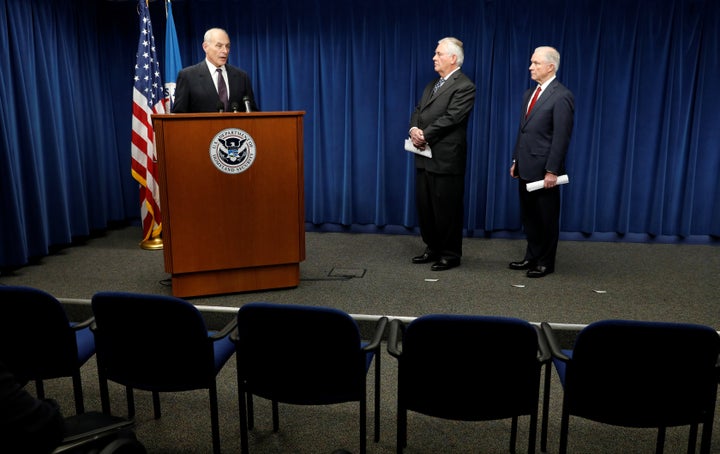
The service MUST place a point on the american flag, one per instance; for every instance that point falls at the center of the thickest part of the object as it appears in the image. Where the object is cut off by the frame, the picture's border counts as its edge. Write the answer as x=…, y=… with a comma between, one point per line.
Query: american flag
x=147, y=100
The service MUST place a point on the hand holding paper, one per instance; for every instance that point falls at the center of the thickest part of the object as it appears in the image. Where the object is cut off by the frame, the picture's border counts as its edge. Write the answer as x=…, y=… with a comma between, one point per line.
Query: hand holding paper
x=413, y=149
x=535, y=185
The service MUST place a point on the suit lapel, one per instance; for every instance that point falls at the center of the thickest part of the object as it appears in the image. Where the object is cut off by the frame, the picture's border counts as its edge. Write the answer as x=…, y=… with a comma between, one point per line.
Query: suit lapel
x=446, y=86
x=206, y=80
x=541, y=100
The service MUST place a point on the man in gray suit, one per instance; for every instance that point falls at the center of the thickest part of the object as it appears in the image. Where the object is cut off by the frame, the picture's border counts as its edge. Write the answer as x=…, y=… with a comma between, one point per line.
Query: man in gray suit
x=440, y=122
x=198, y=88
x=546, y=124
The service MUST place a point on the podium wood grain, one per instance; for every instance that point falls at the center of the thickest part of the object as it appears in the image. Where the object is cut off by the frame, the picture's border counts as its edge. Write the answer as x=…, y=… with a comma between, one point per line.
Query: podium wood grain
x=228, y=233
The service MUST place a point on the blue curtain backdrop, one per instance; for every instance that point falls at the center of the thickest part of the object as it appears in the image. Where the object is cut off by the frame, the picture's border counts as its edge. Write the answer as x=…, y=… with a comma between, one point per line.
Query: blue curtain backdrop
x=643, y=162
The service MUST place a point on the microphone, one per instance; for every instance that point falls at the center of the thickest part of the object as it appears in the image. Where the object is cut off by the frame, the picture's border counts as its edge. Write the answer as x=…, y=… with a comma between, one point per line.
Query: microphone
x=234, y=106
x=246, y=100
x=220, y=107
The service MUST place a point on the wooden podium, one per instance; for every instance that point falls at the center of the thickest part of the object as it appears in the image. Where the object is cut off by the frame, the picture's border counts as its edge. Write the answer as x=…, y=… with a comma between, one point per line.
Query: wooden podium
x=232, y=200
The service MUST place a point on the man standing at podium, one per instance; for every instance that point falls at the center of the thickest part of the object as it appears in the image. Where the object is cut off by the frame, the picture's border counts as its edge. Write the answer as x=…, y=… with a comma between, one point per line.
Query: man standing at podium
x=213, y=85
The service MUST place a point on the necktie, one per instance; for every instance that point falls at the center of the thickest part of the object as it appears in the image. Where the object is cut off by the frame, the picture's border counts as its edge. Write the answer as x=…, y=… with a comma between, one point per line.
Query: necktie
x=222, y=89
x=532, y=103
x=438, y=84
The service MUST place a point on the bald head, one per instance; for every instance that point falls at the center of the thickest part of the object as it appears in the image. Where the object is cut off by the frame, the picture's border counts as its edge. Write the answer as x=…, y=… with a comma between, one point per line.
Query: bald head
x=216, y=44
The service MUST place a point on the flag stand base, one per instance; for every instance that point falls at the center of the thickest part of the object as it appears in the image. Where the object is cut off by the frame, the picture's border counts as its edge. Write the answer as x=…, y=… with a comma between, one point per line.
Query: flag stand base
x=152, y=244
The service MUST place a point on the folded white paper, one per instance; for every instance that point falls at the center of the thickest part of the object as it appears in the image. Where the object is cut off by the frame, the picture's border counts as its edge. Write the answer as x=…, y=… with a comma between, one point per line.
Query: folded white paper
x=535, y=185
x=413, y=149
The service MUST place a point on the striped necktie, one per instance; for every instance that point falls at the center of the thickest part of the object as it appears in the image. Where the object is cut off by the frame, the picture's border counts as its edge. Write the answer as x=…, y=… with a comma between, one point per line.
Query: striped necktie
x=222, y=89
x=438, y=84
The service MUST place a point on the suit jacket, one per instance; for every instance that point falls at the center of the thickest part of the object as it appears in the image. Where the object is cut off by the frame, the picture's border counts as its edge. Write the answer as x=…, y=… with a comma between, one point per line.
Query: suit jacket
x=195, y=89
x=544, y=136
x=443, y=117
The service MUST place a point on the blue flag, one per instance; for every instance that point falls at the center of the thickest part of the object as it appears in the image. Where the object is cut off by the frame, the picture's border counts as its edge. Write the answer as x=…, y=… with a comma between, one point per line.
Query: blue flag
x=172, y=58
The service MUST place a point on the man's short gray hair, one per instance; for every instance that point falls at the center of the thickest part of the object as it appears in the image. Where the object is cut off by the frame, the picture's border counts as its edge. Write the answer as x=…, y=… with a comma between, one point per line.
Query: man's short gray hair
x=455, y=47
x=551, y=55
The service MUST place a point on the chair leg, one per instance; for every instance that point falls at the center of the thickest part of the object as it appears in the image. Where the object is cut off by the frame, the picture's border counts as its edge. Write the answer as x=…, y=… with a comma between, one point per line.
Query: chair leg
x=532, y=433
x=706, y=437
x=564, y=424
x=78, y=392
x=214, y=418
x=401, y=441
x=242, y=399
x=250, y=411
x=363, y=425
x=545, y=409
x=156, y=404
x=692, y=438
x=513, y=434
x=104, y=394
x=275, y=416
x=660, y=446
x=40, y=389
x=130, y=397
x=377, y=398
x=245, y=409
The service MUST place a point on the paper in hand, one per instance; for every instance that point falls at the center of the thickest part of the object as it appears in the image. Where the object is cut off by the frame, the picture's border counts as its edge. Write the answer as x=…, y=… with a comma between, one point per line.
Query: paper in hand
x=535, y=185
x=413, y=149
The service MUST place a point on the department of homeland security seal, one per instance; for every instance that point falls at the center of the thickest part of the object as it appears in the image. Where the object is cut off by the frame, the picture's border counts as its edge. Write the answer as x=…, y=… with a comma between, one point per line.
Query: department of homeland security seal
x=232, y=150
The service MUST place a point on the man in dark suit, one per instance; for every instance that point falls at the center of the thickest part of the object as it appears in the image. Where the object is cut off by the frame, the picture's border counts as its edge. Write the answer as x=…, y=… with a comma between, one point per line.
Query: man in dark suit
x=440, y=122
x=546, y=124
x=198, y=88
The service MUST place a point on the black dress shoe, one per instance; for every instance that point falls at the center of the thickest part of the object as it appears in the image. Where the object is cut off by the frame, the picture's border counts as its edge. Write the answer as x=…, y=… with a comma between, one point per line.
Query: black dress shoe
x=539, y=271
x=427, y=257
x=524, y=265
x=445, y=263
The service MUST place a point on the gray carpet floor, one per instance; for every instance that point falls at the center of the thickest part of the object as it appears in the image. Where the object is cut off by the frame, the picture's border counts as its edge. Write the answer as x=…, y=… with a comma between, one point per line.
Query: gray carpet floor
x=369, y=275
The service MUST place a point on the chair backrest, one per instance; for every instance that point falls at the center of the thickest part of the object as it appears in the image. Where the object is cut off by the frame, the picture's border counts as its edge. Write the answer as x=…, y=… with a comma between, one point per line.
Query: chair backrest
x=300, y=354
x=469, y=367
x=36, y=341
x=145, y=341
x=643, y=374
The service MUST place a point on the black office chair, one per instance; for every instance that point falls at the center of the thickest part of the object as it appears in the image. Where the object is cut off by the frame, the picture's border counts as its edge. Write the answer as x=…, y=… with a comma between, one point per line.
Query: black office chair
x=303, y=355
x=157, y=343
x=38, y=342
x=640, y=374
x=468, y=368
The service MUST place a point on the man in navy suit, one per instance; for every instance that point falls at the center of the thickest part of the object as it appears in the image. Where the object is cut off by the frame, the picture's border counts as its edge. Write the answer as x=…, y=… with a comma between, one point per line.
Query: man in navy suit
x=546, y=124
x=440, y=122
x=198, y=87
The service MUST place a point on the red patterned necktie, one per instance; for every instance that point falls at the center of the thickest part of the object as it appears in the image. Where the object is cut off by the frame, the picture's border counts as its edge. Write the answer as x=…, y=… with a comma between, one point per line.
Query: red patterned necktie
x=532, y=103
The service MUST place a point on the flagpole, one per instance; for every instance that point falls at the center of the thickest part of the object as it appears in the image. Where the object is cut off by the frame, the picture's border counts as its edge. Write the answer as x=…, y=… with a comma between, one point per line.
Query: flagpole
x=152, y=244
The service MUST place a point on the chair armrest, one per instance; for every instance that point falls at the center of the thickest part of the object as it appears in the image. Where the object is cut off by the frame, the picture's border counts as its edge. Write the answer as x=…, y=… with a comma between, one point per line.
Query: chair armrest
x=544, y=352
x=397, y=327
x=378, y=336
x=553, y=342
x=229, y=328
x=84, y=324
